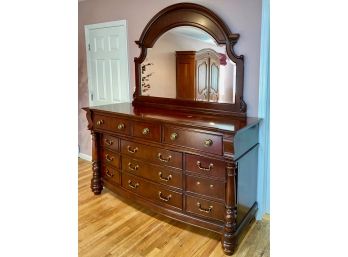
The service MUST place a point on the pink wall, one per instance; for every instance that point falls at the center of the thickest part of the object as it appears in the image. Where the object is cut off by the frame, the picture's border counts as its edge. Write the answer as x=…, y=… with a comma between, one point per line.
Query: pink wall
x=242, y=16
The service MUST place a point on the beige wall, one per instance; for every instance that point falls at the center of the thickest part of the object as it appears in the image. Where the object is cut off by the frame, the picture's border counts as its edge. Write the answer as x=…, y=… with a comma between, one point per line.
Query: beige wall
x=242, y=16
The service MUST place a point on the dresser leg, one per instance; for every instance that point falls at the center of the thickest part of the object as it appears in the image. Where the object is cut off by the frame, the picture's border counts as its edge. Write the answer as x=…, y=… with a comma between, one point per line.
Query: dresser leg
x=229, y=240
x=96, y=183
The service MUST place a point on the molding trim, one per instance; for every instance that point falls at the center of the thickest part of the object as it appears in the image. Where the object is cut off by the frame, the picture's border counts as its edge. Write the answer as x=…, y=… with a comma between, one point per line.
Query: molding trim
x=85, y=157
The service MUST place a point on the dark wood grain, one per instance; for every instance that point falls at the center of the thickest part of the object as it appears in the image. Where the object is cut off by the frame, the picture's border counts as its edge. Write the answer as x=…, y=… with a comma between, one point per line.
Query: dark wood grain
x=151, y=191
x=155, y=155
x=160, y=174
x=110, y=142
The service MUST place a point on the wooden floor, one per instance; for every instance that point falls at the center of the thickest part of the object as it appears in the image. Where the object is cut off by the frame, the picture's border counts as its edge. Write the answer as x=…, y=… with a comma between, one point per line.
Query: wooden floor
x=111, y=226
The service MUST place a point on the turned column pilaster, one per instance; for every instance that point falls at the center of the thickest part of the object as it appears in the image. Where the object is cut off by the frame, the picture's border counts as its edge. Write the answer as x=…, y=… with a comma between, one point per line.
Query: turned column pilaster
x=228, y=239
x=96, y=183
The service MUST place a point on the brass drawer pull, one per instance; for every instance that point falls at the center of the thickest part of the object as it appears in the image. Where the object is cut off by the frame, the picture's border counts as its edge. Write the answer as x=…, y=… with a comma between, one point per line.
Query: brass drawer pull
x=108, y=158
x=120, y=126
x=163, y=198
x=100, y=122
x=146, y=131
x=164, y=179
x=203, y=209
x=162, y=159
x=131, y=185
x=208, y=142
x=109, y=174
x=174, y=136
x=108, y=141
x=203, y=168
x=129, y=149
x=131, y=167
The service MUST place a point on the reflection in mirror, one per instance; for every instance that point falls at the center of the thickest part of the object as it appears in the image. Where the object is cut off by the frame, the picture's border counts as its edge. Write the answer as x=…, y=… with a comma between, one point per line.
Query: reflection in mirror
x=186, y=63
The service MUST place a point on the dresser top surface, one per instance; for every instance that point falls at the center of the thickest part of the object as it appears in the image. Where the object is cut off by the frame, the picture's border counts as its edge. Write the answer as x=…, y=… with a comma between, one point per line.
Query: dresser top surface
x=223, y=123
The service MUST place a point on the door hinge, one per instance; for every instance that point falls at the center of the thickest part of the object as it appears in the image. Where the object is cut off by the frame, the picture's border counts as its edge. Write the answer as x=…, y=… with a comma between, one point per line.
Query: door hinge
x=91, y=96
x=89, y=47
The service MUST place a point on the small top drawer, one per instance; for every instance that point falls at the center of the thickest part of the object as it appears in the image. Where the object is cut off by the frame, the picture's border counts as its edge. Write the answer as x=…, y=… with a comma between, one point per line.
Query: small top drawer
x=114, y=124
x=202, y=141
x=205, y=166
x=110, y=142
x=147, y=130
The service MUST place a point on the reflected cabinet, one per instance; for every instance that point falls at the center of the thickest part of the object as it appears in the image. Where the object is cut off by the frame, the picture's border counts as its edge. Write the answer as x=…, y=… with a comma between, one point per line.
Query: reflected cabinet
x=197, y=75
x=184, y=147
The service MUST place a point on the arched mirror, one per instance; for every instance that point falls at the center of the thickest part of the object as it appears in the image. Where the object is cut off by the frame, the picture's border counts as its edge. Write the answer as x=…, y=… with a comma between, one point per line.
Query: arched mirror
x=187, y=62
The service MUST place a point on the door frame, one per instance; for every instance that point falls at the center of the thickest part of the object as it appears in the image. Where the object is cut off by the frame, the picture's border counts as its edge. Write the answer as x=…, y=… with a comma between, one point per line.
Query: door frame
x=88, y=57
x=263, y=188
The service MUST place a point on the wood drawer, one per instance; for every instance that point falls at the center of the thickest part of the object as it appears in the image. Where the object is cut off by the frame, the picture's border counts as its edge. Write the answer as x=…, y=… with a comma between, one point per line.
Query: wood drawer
x=205, y=166
x=147, y=130
x=110, y=142
x=111, y=158
x=114, y=124
x=151, y=191
x=205, y=208
x=160, y=174
x=206, y=142
x=152, y=154
x=111, y=174
x=208, y=187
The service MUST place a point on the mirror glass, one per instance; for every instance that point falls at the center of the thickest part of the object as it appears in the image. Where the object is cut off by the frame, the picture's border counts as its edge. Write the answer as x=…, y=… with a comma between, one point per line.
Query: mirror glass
x=186, y=63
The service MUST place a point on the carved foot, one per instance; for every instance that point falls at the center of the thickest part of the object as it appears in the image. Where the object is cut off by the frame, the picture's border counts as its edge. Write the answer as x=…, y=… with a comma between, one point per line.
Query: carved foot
x=96, y=183
x=229, y=244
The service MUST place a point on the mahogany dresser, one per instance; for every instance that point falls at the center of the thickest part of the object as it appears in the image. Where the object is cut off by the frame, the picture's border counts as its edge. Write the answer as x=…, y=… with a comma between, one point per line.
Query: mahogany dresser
x=193, y=161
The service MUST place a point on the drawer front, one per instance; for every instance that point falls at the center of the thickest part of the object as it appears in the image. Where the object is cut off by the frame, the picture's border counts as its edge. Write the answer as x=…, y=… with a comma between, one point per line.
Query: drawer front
x=151, y=191
x=208, y=187
x=152, y=154
x=110, y=142
x=111, y=174
x=147, y=131
x=160, y=174
x=189, y=138
x=111, y=158
x=102, y=122
x=205, y=208
x=205, y=166
x=114, y=124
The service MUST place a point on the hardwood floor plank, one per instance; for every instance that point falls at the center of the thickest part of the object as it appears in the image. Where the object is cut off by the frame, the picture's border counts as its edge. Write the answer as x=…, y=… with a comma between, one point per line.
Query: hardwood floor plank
x=113, y=227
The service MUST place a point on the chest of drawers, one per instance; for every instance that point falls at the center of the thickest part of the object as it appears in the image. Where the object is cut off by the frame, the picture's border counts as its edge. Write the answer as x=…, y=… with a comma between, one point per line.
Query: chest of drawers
x=198, y=170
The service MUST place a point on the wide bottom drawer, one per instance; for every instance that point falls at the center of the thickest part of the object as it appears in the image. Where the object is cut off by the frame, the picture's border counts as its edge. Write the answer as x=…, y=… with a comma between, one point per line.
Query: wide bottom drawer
x=151, y=191
x=205, y=208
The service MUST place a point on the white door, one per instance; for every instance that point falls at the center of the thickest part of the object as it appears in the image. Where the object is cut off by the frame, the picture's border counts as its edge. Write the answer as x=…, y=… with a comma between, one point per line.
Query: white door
x=107, y=63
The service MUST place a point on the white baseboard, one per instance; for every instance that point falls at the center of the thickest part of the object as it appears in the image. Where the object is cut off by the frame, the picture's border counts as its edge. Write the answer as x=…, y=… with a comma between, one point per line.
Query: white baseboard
x=85, y=157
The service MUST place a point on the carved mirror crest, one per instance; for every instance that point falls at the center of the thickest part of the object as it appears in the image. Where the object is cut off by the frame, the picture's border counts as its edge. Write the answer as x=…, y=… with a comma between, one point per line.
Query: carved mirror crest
x=187, y=62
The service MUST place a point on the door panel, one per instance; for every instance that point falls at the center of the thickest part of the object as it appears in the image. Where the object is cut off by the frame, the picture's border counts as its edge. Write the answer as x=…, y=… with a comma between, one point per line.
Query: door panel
x=108, y=79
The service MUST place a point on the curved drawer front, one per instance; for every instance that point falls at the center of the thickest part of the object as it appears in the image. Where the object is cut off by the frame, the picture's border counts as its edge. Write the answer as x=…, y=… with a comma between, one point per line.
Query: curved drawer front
x=206, y=142
x=110, y=142
x=205, y=166
x=110, y=174
x=160, y=174
x=111, y=158
x=114, y=124
x=149, y=131
x=208, y=187
x=205, y=208
x=151, y=191
x=152, y=154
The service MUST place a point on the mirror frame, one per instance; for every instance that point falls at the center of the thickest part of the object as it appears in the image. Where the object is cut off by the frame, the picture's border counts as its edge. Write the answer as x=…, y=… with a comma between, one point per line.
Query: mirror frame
x=189, y=14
